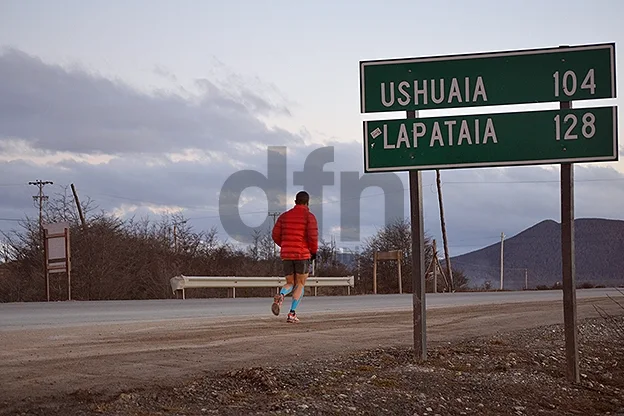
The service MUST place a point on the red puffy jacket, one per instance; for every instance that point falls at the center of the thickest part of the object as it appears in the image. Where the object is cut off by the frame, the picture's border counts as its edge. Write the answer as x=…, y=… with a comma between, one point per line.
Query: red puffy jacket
x=296, y=232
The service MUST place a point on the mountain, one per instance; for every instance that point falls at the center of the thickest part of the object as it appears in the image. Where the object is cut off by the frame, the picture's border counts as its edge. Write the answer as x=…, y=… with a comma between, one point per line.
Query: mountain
x=599, y=251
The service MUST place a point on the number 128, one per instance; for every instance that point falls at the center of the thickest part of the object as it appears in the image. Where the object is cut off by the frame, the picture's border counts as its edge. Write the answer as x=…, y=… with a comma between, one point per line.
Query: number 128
x=588, y=128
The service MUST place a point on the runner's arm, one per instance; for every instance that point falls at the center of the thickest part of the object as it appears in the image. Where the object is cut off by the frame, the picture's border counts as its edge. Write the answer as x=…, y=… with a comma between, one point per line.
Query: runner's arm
x=277, y=232
x=312, y=234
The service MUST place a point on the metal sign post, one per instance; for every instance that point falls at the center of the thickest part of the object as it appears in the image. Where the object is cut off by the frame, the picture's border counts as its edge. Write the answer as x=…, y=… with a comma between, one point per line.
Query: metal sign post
x=418, y=261
x=568, y=267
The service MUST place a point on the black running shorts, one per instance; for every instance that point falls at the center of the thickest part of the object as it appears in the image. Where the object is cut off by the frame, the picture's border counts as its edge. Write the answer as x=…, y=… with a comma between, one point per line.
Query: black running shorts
x=296, y=266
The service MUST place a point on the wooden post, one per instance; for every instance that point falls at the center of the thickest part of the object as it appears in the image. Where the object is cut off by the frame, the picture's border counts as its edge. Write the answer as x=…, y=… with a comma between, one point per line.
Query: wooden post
x=388, y=255
x=375, y=272
x=57, y=264
x=501, y=260
x=399, y=259
x=45, y=261
x=435, y=279
x=67, y=263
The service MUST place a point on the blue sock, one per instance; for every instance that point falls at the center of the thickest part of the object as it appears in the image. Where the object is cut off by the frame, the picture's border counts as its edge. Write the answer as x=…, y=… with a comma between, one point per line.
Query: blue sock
x=284, y=291
x=295, y=302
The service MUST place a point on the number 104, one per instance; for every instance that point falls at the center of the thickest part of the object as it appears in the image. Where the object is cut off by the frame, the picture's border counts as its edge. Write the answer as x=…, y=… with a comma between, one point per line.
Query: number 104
x=569, y=83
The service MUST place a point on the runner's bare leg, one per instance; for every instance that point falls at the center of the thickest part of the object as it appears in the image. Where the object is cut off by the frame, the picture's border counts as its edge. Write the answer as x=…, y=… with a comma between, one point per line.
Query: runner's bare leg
x=300, y=280
x=290, y=282
x=285, y=290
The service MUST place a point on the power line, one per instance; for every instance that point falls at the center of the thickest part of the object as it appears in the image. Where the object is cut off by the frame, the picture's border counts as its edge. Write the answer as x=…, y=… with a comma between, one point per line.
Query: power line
x=139, y=200
x=274, y=214
x=533, y=181
x=481, y=266
x=337, y=200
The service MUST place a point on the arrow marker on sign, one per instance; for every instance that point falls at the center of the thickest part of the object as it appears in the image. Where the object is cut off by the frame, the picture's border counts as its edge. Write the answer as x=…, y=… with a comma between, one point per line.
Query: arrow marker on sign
x=375, y=133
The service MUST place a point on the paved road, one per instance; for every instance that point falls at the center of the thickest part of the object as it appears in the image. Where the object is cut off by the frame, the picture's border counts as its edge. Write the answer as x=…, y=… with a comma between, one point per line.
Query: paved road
x=20, y=316
x=59, y=351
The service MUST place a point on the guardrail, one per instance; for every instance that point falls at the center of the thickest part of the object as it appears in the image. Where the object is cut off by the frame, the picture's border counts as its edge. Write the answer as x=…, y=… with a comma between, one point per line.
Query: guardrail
x=183, y=282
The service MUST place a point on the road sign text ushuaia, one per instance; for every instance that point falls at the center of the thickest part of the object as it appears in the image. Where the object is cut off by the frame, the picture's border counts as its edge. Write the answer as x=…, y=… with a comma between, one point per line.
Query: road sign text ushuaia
x=498, y=78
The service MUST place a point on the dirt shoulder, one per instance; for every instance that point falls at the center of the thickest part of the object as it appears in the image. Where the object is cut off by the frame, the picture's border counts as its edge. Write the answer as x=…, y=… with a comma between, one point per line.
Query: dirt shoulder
x=90, y=368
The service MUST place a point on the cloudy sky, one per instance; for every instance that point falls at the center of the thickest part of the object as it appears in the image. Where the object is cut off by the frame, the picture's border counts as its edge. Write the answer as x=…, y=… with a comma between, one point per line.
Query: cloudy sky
x=153, y=107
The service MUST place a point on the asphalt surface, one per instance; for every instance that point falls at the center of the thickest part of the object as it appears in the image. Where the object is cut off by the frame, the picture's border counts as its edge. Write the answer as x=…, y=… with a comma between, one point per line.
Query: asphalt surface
x=34, y=315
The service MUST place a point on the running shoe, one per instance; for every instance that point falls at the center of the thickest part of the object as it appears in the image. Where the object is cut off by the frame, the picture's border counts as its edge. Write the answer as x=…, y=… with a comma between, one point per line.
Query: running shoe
x=277, y=304
x=292, y=318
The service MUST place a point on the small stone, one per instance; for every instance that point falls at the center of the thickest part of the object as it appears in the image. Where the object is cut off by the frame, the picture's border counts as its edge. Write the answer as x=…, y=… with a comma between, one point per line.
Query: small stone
x=429, y=409
x=303, y=406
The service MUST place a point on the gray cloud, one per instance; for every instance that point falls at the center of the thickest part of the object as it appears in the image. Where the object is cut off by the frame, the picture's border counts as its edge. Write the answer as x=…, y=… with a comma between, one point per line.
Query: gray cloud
x=57, y=109
x=479, y=204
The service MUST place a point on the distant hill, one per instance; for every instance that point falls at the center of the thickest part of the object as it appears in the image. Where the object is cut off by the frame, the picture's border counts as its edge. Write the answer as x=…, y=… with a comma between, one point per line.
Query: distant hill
x=599, y=250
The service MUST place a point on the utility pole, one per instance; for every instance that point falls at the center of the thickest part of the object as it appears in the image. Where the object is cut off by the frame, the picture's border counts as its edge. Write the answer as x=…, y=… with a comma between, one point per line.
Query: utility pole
x=175, y=234
x=526, y=279
x=274, y=214
x=443, y=225
x=41, y=197
x=435, y=268
x=501, y=261
x=82, y=219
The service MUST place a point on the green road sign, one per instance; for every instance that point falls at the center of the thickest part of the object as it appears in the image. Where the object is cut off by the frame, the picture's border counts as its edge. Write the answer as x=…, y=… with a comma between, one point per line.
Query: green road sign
x=498, y=78
x=486, y=140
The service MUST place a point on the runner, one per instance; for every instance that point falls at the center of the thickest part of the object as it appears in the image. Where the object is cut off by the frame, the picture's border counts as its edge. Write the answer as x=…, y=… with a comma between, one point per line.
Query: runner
x=296, y=233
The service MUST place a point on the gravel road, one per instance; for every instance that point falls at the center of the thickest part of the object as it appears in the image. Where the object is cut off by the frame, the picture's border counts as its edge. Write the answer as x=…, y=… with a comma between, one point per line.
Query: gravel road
x=45, y=369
